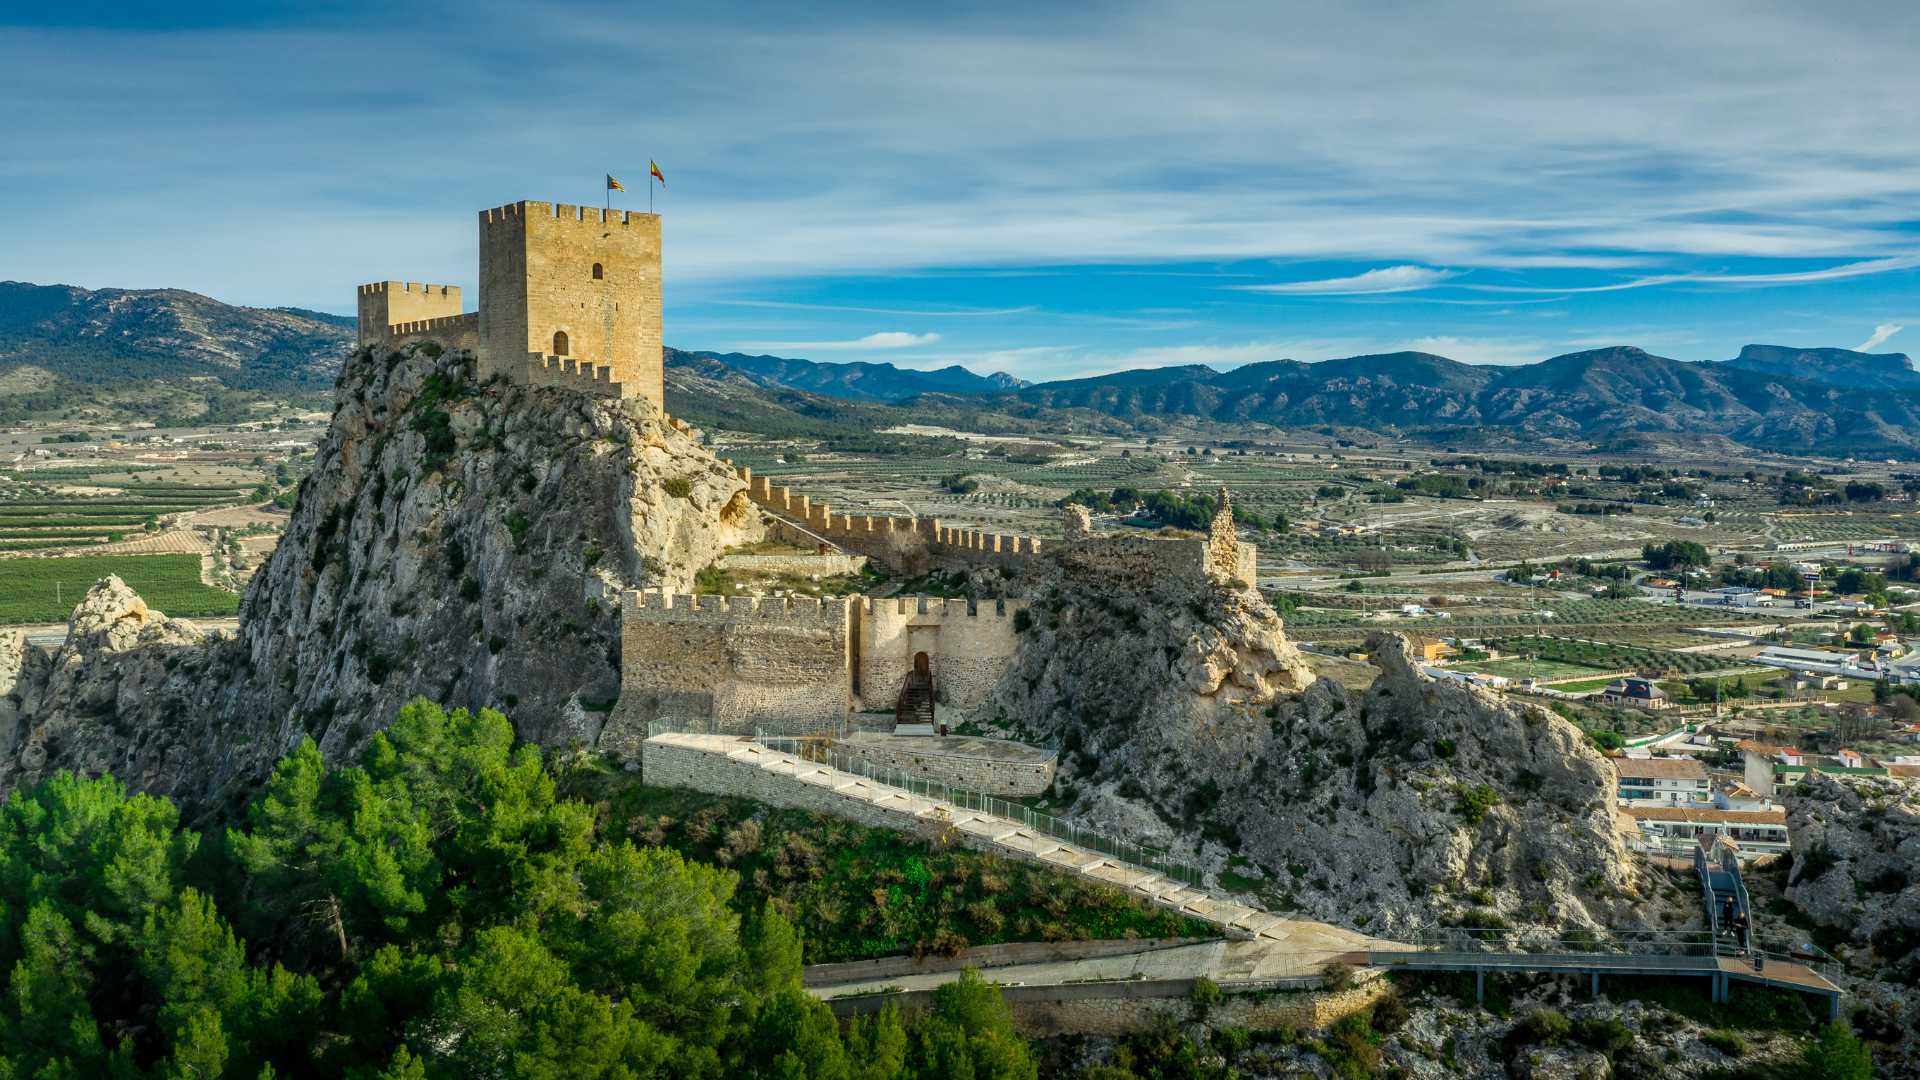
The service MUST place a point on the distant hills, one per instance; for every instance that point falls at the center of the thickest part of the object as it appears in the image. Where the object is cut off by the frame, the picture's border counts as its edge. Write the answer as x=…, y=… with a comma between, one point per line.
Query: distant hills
x=855, y=381
x=113, y=335
x=60, y=344
x=1796, y=400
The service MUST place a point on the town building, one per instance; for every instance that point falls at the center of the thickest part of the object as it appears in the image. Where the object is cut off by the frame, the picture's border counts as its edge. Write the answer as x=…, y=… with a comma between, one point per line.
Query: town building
x=1758, y=832
x=1671, y=780
x=1636, y=693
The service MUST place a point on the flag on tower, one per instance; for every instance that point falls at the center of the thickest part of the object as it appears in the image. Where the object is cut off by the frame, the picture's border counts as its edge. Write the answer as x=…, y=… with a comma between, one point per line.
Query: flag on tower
x=654, y=169
x=614, y=185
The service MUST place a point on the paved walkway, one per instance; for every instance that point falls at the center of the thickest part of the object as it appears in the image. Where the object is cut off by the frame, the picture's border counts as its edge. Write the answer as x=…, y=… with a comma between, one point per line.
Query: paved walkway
x=1275, y=947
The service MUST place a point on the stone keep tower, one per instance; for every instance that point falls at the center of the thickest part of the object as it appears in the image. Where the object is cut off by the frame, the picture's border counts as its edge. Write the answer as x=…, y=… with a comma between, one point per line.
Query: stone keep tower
x=569, y=297
x=571, y=291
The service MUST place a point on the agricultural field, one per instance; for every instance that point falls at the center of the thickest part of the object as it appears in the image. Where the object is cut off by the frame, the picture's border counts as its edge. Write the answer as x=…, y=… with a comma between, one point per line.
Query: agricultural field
x=1613, y=656
x=1522, y=668
x=45, y=590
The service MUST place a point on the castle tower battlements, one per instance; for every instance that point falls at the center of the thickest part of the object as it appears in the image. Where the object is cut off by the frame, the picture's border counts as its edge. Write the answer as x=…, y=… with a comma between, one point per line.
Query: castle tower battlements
x=569, y=297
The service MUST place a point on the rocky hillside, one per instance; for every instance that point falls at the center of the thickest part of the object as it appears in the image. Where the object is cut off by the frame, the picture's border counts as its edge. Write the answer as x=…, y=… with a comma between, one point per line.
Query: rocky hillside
x=105, y=335
x=1856, y=866
x=1187, y=720
x=455, y=540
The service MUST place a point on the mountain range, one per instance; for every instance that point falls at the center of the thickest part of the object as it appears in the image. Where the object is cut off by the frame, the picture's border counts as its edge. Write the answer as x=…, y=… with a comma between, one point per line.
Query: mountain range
x=1799, y=400
x=1813, y=400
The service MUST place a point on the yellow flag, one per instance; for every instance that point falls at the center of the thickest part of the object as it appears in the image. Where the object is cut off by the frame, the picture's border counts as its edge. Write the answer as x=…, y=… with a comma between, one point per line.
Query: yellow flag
x=613, y=185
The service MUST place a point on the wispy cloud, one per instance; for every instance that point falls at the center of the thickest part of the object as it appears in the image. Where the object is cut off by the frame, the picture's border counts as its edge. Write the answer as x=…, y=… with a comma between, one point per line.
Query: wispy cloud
x=1879, y=337
x=961, y=312
x=1388, y=279
x=885, y=339
x=1793, y=277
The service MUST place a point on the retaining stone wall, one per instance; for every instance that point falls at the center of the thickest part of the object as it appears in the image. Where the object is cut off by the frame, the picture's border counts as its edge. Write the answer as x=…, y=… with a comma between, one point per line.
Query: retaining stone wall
x=1123, y=1008
x=802, y=565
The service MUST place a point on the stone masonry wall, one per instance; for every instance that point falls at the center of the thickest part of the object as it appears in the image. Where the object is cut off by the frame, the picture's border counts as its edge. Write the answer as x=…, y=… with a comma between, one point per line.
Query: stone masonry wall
x=731, y=664
x=802, y=565
x=382, y=304
x=967, y=647
x=536, y=280
x=1124, y=1008
x=1116, y=1012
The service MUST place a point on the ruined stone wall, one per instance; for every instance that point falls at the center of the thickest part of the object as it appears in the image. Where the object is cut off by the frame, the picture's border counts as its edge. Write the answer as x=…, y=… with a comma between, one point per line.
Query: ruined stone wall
x=732, y=664
x=1137, y=558
x=968, y=647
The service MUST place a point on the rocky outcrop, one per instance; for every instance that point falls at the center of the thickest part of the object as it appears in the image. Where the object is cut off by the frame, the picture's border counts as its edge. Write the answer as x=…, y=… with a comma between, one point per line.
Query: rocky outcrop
x=1191, y=724
x=463, y=541
x=1856, y=865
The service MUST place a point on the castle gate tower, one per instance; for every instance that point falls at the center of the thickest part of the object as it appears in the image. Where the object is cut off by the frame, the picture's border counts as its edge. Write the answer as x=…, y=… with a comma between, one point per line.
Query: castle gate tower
x=575, y=282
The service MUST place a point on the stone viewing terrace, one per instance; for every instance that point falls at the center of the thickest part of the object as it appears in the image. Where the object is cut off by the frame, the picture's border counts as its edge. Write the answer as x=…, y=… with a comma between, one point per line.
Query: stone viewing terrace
x=1000, y=766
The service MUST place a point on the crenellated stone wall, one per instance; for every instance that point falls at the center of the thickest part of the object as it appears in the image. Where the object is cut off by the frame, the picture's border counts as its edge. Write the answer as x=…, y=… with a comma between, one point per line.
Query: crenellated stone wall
x=968, y=646
x=915, y=545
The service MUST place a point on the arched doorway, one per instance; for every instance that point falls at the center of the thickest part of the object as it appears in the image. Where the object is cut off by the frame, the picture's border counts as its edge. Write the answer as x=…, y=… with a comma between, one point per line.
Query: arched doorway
x=560, y=343
x=921, y=665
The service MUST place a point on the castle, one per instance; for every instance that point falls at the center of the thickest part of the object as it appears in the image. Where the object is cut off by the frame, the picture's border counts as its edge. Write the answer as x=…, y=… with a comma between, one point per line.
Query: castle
x=798, y=665
x=569, y=297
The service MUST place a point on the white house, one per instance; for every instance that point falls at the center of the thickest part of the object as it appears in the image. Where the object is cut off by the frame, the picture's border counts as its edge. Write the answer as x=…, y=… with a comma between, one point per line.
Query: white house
x=1657, y=781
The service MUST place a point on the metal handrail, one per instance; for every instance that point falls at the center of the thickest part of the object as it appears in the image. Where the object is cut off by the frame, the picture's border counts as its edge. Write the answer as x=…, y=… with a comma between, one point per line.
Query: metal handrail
x=1134, y=854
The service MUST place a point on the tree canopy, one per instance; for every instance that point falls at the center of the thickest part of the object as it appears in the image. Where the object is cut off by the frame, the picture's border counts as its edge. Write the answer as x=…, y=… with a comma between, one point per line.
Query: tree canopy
x=434, y=910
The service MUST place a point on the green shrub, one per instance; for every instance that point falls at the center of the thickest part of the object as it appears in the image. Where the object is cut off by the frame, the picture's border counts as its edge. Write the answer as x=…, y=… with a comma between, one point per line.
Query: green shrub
x=1541, y=1027
x=677, y=486
x=1610, y=1037
x=1205, y=995
x=1726, y=1042
x=1836, y=1054
x=1390, y=1014
x=1473, y=802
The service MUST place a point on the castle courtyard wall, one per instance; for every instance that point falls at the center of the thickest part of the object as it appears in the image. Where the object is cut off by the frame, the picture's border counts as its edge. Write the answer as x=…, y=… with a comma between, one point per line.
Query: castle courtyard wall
x=731, y=664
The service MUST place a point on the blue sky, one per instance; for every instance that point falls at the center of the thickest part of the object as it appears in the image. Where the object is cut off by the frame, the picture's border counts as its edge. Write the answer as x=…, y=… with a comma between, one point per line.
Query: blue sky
x=1049, y=190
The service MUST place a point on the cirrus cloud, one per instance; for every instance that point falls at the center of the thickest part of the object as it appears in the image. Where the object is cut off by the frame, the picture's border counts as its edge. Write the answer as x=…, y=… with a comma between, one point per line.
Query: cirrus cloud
x=1387, y=279
x=884, y=339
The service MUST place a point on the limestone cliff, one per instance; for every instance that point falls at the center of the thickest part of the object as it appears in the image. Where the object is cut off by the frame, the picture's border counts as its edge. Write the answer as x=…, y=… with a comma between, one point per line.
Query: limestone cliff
x=1188, y=721
x=1856, y=866
x=458, y=540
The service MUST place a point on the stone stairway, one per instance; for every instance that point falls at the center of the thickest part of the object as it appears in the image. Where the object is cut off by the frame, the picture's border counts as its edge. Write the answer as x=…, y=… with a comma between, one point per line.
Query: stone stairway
x=727, y=764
